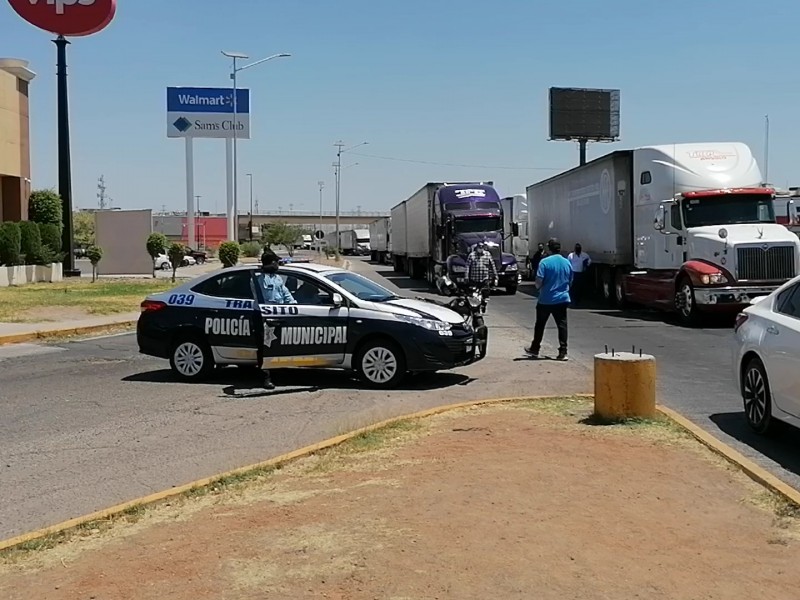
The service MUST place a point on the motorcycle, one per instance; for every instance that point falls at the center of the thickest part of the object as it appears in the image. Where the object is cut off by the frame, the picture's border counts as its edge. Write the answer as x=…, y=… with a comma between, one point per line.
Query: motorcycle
x=470, y=300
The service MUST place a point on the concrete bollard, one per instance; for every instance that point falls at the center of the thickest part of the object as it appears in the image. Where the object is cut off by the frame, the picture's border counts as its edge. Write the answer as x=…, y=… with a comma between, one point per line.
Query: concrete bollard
x=624, y=385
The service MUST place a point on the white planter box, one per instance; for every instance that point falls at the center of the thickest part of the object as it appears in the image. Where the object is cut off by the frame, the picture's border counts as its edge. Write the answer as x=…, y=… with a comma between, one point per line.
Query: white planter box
x=4, y=276
x=30, y=273
x=56, y=273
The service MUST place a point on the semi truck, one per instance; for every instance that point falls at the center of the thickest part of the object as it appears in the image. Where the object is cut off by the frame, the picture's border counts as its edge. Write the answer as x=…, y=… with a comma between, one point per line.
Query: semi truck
x=437, y=227
x=787, y=208
x=515, y=230
x=688, y=228
x=380, y=240
x=354, y=241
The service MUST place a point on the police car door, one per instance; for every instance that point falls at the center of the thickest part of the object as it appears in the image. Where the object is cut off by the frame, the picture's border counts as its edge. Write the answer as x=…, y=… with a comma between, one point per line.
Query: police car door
x=311, y=333
x=226, y=313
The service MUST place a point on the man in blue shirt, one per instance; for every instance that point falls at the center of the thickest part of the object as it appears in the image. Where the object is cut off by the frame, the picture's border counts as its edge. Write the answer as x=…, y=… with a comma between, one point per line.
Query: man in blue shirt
x=553, y=280
x=275, y=292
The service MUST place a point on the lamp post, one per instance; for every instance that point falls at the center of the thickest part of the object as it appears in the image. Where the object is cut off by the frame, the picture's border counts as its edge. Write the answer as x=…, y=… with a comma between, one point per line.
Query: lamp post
x=250, y=175
x=321, y=185
x=338, y=172
x=234, y=70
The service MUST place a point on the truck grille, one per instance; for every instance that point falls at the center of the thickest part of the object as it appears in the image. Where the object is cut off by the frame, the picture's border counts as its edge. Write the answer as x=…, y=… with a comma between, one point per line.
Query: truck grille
x=774, y=263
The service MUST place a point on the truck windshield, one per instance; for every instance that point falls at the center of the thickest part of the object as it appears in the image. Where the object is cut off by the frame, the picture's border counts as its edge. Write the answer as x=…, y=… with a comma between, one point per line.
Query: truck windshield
x=728, y=210
x=478, y=225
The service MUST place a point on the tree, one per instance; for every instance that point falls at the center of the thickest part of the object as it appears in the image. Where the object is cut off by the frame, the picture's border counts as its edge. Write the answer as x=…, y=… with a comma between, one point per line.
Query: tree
x=176, y=254
x=44, y=206
x=94, y=254
x=51, y=241
x=156, y=246
x=228, y=254
x=10, y=244
x=282, y=234
x=83, y=228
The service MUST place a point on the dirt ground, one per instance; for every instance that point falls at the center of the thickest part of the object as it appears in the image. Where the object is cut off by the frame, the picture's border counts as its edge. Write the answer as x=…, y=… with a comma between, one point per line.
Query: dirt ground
x=516, y=501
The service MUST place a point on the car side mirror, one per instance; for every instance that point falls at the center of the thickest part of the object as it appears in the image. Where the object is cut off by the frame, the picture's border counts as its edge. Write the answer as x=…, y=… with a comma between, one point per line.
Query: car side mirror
x=338, y=300
x=660, y=220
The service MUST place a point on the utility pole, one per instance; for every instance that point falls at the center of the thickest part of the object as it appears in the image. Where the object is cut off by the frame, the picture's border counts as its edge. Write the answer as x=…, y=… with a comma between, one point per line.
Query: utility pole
x=101, y=192
x=338, y=170
x=766, y=148
x=250, y=220
x=197, y=221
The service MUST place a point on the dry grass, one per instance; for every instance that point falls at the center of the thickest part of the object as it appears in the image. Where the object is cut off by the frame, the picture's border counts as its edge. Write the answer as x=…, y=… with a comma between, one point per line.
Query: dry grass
x=104, y=297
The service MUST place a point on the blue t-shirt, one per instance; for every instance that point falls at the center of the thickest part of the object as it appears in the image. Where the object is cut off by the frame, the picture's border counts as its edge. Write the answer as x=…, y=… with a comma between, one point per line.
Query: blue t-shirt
x=556, y=275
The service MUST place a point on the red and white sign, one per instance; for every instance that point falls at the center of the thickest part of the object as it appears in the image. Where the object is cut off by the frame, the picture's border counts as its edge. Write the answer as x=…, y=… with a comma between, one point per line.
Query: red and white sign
x=70, y=18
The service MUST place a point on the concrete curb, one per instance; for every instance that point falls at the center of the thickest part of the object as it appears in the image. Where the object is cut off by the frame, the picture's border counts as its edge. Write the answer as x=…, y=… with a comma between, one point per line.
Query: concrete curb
x=752, y=470
x=747, y=466
x=30, y=336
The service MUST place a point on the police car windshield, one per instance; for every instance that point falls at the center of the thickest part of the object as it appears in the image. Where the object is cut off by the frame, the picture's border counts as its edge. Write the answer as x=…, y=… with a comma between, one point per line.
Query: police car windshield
x=361, y=287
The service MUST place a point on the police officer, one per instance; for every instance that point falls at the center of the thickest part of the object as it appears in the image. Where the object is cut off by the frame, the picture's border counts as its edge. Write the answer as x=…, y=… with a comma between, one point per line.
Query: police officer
x=274, y=292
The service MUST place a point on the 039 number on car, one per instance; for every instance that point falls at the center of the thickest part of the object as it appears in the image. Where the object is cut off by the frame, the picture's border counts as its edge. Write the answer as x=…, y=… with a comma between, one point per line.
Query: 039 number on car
x=181, y=299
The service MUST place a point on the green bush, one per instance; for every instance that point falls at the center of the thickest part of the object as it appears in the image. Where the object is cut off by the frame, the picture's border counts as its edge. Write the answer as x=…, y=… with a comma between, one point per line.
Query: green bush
x=31, y=243
x=95, y=255
x=10, y=244
x=51, y=239
x=44, y=207
x=229, y=254
x=251, y=249
x=176, y=252
x=156, y=244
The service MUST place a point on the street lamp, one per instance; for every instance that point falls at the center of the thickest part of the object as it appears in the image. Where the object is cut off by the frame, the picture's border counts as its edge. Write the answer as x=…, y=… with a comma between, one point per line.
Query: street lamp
x=321, y=185
x=250, y=175
x=234, y=70
x=338, y=171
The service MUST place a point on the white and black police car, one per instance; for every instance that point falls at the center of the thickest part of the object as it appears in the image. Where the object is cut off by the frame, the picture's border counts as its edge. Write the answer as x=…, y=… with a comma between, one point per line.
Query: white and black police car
x=342, y=320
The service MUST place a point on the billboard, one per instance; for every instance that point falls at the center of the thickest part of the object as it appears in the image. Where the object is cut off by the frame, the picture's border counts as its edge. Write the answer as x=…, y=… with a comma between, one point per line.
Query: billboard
x=207, y=113
x=584, y=114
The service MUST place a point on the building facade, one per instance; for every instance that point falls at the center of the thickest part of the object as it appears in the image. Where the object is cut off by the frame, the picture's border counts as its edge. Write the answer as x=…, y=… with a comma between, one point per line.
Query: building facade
x=15, y=146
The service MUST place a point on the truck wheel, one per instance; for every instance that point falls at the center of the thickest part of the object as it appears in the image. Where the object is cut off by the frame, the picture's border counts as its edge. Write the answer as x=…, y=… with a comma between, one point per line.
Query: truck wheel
x=619, y=290
x=607, y=286
x=685, y=302
x=373, y=256
x=381, y=364
x=397, y=267
x=511, y=289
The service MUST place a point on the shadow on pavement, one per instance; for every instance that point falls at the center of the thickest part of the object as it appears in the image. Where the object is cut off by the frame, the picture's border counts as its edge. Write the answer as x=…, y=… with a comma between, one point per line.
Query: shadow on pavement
x=780, y=446
x=239, y=381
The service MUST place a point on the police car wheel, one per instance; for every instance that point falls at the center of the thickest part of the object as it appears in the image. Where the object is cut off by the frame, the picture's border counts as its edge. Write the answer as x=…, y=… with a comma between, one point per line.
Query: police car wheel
x=191, y=359
x=381, y=364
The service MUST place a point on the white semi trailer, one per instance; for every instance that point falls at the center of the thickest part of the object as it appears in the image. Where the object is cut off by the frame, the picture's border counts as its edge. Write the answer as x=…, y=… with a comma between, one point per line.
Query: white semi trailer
x=683, y=227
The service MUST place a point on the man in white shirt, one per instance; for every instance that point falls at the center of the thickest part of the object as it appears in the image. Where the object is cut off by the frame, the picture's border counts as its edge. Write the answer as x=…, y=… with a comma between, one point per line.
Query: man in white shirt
x=580, y=262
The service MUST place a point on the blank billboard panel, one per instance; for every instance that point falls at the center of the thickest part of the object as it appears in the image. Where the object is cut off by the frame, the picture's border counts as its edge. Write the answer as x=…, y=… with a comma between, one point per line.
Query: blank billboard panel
x=580, y=113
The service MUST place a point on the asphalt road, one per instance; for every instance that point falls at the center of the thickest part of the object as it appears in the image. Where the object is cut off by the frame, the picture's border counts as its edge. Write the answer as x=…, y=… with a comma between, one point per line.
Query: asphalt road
x=90, y=424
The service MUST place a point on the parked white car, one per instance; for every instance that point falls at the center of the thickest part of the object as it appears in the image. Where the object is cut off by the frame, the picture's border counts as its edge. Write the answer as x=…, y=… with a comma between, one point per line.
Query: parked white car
x=766, y=358
x=162, y=262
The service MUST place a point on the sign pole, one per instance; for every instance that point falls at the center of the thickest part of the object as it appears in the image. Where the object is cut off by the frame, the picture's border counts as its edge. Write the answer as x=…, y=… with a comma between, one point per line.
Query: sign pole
x=229, y=174
x=64, y=160
x=190, y=192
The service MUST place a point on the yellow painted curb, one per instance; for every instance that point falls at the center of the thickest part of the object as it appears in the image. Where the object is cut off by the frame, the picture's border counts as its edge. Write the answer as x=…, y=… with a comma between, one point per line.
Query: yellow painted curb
x=750, y=468
x=20, y=338
x=271, y=463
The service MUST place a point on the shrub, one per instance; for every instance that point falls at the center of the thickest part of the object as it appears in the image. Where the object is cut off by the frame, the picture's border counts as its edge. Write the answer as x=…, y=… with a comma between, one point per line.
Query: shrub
x=31, y=243
x=44, y=207
x=176, y=253
x=228, y=254
x=10, y=244
x=251, y=249
x=51, y=239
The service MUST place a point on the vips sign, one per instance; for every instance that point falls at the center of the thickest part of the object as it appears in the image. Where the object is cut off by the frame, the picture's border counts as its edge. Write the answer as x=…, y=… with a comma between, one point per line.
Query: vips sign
x=207, y=113
x=67, y=17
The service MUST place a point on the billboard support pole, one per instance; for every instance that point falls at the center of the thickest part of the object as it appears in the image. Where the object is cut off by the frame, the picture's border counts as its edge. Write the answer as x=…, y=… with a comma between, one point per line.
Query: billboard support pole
x=229, y=173
x=64, y=160
x=190, y=230
x=582, y=148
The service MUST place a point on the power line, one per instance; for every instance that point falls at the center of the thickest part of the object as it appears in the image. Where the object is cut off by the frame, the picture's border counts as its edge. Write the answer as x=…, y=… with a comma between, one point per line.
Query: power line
x=441, y=164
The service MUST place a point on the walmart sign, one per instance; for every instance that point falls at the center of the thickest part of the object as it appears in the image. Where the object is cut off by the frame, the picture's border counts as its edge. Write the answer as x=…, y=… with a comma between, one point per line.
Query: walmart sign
x=207, y=113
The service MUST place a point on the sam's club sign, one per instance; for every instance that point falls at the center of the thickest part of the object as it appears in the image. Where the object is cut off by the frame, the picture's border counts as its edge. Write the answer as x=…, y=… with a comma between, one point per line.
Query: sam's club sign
x=207, y=113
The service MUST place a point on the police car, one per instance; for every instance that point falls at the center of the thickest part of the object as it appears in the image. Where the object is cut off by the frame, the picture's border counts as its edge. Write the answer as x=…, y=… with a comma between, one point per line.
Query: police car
x=342, y=320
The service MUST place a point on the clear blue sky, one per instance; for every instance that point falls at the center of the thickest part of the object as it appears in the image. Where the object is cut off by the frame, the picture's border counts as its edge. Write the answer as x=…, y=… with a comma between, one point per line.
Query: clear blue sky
x=445, y=81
